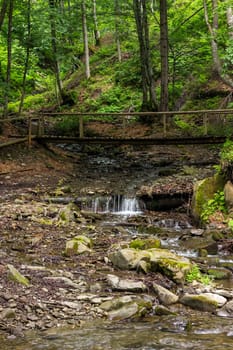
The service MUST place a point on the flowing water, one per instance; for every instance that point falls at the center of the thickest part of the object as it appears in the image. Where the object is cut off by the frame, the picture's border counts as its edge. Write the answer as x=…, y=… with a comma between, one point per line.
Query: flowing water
x=116, y=204
x=202, y=332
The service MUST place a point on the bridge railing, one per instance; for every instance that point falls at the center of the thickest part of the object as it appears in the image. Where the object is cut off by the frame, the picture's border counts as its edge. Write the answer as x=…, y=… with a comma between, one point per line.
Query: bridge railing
x=202, y=121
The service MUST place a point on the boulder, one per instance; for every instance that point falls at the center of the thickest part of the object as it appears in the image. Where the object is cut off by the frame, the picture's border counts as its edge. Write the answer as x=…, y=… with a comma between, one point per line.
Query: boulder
x=226, y=310
x=126, y=307
x=165, y=296
x=203, y=191
x=155, y=260
x=204, y=301
x=78, y=245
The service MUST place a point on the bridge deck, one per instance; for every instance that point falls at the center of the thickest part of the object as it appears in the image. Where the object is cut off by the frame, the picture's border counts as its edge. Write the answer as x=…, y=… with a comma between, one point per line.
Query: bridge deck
x=133, y=141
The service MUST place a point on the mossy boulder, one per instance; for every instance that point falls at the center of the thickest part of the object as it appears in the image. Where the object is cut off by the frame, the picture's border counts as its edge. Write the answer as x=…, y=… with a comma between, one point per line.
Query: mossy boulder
x=203, y=191
x=204, y=301
x=126, y=307
x=78, y=245
x=154, y=259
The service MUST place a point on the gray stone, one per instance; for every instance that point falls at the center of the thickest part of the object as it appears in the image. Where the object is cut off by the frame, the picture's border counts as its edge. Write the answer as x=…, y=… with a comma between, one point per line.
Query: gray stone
x=125, y=284
x=157, y=259
x=165, y=296
x=204, y=301
x=226, y=310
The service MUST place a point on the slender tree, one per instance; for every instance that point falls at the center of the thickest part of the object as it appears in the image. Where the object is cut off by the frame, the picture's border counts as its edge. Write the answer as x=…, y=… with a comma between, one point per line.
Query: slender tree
x=85, y=40
x=52, y=4
x=230, y=22
x=28, y=47
x=148, y=83
x=3, y=12
x=9, y=57
x=117, y=29
x=213, y=30
x=164, y=55
x=96, y=30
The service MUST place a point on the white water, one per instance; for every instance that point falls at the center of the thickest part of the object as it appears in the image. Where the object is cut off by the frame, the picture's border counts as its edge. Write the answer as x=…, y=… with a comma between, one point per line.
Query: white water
x=117, y=204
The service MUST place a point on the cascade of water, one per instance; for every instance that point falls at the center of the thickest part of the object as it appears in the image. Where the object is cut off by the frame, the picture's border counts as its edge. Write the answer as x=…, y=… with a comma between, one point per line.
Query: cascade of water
x=117, y=204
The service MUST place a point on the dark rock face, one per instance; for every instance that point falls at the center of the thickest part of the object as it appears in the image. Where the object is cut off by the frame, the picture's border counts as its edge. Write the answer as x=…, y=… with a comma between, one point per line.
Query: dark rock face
x=165, y=201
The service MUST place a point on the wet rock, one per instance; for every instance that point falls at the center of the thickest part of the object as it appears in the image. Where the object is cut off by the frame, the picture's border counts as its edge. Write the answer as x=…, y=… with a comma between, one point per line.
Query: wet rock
x=126, y=307
x=204, y=301
x=125, y=284
x=226, y=310
x=16, y=276
x=165, y=296
x=162, y=310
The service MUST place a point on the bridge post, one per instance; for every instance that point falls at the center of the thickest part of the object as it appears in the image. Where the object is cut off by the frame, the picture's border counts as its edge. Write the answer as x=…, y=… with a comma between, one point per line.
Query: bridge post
x=164, y=125
x=29, y=132
x=40, y=125
x=81, y=128
x=205, y=123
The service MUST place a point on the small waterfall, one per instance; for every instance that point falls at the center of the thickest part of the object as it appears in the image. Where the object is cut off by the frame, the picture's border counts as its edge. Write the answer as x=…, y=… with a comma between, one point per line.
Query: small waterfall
x=116, y=204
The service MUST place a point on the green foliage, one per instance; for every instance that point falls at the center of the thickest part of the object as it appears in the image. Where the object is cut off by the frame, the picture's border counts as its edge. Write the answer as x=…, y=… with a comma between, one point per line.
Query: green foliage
x=67, y=126
x=227, y=151
x=217, y=204
x=195, y=275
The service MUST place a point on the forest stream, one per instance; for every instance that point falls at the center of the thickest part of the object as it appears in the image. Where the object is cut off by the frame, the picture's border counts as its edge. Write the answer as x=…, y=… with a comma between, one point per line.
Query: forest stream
x=60, y=304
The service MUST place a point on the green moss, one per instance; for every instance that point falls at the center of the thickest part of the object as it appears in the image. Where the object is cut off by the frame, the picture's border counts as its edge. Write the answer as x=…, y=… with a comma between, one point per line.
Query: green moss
x=145, y=243
x=204, y=191
x=219, y=274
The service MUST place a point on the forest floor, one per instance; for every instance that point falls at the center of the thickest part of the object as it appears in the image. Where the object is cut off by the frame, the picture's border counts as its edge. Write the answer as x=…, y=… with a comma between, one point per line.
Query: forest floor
x=33, y=235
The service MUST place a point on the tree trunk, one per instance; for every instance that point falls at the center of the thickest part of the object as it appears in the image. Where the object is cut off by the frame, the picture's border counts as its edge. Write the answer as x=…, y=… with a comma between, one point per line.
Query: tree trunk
x=27, y=56
x=164, y=55
x=213, y=29
x=96, y=30
x=148, y=83
x=9, y=57
x=230, y=22
x=56, y=69
x=85, y=40
x=117, y=29
x=3, y=12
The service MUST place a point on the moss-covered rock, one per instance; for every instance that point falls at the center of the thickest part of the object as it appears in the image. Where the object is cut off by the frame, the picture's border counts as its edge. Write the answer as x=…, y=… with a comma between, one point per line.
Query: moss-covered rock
x=204, y=190
x=155, y=259
x=78, y=245
x=16, y=276
x=126, y=307
x=203, y=302
x=145, y=243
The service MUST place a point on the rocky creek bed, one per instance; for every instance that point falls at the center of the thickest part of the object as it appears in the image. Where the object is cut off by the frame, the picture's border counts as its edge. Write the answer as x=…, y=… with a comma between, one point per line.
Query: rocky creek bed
x=46, y=282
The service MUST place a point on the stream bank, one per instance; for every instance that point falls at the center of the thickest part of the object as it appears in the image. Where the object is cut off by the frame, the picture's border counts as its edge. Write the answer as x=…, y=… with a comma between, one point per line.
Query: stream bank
x=70, y=289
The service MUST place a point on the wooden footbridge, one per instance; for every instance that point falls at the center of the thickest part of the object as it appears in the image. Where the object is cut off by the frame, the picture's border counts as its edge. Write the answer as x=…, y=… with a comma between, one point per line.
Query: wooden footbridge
x=189, y=127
